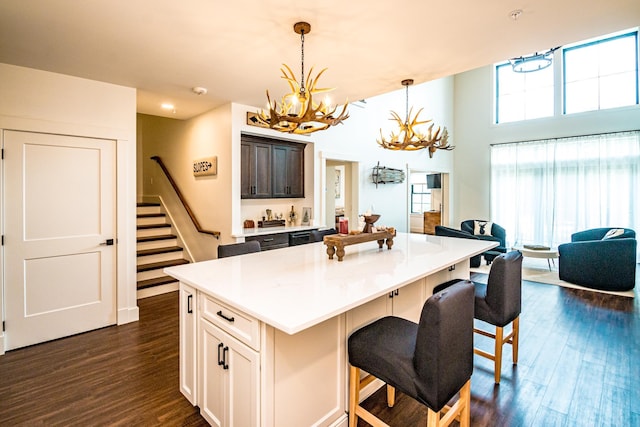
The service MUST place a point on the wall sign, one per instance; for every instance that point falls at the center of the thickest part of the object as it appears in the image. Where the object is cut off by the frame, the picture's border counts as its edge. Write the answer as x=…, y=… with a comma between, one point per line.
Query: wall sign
x=252, y=120
x=206, y=166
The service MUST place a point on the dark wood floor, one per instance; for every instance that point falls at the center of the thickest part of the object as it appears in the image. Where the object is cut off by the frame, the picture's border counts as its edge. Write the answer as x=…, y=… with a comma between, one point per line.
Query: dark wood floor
x=579, y=366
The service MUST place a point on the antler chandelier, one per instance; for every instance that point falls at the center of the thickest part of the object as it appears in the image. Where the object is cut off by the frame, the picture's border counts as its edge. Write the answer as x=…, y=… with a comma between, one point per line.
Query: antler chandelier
x=298, y=113
x=408, y=137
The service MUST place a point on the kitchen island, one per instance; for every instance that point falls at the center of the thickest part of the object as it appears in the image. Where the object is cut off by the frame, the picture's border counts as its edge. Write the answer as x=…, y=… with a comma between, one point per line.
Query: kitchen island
x=263, y=336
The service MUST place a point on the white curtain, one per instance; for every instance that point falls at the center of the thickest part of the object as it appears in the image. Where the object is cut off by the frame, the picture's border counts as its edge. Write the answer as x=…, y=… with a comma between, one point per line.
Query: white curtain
x=543, y=191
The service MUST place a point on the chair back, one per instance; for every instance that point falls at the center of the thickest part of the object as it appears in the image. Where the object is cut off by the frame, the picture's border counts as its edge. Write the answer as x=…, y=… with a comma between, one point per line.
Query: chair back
x=234, y=249
x=443, y=357
x=318, y=235
x=504, y=287
x=496, y=231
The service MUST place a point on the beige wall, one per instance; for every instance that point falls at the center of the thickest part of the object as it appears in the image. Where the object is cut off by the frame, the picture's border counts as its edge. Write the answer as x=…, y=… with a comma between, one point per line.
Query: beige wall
x=39, y=101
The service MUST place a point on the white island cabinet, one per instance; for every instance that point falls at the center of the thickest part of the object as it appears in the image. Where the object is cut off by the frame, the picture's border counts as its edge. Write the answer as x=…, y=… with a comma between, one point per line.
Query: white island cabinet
x=268, y=343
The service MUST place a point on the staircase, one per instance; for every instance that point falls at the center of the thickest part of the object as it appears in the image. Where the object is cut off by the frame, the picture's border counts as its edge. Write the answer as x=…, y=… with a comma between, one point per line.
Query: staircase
x=157, y=248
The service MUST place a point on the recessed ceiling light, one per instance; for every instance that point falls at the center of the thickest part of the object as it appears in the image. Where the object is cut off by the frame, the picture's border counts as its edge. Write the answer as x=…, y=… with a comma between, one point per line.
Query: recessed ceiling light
x=199, y=90
x=168, y=106
x=515, y=14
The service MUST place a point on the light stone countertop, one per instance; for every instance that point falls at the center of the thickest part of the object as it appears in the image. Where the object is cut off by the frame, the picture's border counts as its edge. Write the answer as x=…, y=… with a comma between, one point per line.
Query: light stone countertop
x=295, y=288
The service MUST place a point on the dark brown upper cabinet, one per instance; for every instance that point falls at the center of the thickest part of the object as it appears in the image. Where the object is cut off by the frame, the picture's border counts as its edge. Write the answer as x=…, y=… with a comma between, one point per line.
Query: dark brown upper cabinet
x=271, y=168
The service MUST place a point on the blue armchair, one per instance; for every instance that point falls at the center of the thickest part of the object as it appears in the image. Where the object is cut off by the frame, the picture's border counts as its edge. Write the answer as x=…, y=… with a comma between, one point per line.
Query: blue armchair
x=498, y=234
x=605, y=264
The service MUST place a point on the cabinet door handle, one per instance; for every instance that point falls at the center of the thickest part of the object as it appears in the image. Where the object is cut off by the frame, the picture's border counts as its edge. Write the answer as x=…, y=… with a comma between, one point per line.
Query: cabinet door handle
x=270, y=239
x=189, y=308
x=225, y=365
x=220, y=360
x=228, y=319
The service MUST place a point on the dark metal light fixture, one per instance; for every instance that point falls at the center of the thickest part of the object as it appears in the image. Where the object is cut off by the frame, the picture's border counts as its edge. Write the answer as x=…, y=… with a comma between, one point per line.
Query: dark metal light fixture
x=537, y=61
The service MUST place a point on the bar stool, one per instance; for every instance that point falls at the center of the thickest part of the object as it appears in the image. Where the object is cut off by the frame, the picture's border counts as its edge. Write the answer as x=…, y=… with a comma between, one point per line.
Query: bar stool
x=499, y=303
x=242, y=248
x=431, y=361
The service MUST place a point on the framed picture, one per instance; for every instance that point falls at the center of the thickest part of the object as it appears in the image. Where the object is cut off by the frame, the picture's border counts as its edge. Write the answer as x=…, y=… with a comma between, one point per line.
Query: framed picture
x=306, y=216
x=339, y=186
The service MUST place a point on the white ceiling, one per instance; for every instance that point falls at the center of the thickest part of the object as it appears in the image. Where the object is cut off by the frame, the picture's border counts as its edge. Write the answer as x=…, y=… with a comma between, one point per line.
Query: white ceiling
x=235, y=48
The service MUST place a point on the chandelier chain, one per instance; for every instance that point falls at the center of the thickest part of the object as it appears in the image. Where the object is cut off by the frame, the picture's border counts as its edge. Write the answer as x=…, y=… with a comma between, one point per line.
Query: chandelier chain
x=302, y=89
x=406, y=105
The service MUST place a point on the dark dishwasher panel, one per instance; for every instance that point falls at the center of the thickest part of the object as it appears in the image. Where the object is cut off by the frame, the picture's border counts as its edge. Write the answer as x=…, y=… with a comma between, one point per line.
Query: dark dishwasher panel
x=299, y=238
x=271, y=241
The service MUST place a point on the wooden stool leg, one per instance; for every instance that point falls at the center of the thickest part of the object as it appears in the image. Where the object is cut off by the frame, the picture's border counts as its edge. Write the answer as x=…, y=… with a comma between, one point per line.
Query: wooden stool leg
x=354, y=394
x=515, y=339
x=433, y=418
x=498, y=354
x=391, y=396
x=465, y=397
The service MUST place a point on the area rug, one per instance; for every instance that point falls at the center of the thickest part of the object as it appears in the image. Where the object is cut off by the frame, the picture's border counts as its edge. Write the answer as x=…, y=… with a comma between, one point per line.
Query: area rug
x=537, y=270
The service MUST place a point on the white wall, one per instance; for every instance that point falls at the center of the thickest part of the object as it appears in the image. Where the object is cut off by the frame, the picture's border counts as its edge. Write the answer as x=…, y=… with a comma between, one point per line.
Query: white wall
x=475, y=132
x=39, y=101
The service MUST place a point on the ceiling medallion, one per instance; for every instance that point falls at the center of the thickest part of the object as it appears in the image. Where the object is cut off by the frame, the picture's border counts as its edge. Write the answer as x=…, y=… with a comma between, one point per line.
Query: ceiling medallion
x=298, y=112
x=408, y=138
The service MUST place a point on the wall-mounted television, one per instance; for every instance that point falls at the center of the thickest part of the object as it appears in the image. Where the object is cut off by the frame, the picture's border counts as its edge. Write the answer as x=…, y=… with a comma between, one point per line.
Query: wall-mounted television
x=433, y=180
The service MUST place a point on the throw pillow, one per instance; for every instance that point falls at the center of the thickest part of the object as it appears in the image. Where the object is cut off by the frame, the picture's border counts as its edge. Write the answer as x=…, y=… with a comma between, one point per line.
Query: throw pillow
x=614, y=232
x=482, y=228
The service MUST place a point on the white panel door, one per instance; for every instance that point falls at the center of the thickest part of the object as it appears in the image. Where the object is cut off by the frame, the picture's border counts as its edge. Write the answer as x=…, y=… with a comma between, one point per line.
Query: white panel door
x=59, y=226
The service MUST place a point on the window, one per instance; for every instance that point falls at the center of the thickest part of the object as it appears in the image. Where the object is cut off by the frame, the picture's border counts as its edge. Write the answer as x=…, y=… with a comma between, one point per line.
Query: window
x=523, y=96
x=543, y=191
x=597, y=74
x=420, y=198
x=601, y=74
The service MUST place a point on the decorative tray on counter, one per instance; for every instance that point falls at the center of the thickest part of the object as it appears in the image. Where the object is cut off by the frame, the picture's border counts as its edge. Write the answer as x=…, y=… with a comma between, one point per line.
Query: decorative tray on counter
x=336, y=242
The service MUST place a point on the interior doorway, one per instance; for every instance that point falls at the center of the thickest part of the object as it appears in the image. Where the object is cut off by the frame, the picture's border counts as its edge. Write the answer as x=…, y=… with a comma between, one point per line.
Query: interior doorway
x=428, y=200
x=339, y=198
